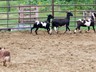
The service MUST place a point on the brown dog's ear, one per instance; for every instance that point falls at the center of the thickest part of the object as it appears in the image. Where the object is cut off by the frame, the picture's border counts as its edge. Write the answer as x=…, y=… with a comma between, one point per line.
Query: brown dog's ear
x=0, y=48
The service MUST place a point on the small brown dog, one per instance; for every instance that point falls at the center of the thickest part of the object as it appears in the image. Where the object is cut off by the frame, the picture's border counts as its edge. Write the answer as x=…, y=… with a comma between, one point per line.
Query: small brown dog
x=4, y=56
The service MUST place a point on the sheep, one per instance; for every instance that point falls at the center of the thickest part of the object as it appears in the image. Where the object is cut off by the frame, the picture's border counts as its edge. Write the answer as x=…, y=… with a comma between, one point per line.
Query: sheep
x=61, y=22
x=4, y=56
x=45, y=24
x=86, y=23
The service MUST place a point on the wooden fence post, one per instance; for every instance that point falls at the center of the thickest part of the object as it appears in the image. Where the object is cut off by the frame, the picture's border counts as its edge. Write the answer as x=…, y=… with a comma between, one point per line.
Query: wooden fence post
x=53, y=7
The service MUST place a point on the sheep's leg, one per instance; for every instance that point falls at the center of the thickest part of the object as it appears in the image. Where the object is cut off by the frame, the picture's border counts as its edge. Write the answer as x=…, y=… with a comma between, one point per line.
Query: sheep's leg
x=36, y=30
x=69, y=29
x=93, y=28
x=88, y=28
x=66, y=29
x=58, y=29
x=75, y=30
x=52, y=27
x=55, y=28
x=32, y=29
x=48, y=29
x=78, y=27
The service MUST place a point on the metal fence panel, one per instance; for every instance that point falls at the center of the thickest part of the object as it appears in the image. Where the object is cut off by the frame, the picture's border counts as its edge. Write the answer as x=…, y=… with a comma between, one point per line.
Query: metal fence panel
x=10, y=15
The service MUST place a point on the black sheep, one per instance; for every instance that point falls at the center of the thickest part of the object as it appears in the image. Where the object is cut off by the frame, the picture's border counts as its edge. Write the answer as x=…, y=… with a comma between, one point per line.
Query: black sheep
x=61, y=22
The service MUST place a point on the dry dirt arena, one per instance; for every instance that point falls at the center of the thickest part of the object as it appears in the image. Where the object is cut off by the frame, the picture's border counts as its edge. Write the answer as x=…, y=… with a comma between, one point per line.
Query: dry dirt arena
x=49, y=53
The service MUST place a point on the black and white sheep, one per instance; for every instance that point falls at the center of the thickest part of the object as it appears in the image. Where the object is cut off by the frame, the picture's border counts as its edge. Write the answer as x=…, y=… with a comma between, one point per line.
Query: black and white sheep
x=45, y=24
x=86, y=23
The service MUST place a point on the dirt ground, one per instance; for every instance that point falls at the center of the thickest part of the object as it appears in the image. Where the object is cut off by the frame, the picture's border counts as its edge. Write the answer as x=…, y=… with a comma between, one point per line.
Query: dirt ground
x=49, y=53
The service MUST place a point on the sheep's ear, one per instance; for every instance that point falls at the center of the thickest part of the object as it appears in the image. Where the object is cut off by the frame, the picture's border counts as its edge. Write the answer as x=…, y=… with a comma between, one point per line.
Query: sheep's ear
x=66, y=11
x=48, y=14
x=95, y=14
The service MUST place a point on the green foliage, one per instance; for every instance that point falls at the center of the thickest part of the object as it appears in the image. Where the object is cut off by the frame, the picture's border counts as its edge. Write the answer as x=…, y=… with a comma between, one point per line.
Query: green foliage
x=49, y=2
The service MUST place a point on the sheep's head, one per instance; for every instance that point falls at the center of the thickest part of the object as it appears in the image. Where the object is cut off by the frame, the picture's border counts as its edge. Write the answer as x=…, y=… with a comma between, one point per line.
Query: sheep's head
x=50, y=16
x=69, y=14
x=95, y=14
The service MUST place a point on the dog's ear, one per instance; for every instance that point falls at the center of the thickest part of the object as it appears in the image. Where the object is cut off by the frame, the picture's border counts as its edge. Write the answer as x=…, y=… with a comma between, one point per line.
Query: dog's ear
x=0, y=48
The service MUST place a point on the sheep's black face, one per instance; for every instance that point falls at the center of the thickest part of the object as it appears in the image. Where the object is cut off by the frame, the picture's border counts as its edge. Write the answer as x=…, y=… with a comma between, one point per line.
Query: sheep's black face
x=50, y=16
x=95, y=14
x=69, y=14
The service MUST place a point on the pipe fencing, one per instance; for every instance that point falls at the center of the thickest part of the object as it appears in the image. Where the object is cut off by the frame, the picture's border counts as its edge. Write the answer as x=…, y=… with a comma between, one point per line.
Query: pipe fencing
x=12, y=19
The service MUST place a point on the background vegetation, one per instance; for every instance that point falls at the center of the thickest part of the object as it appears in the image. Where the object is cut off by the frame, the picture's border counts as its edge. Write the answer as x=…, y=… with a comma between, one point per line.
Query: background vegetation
x=49, y=2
